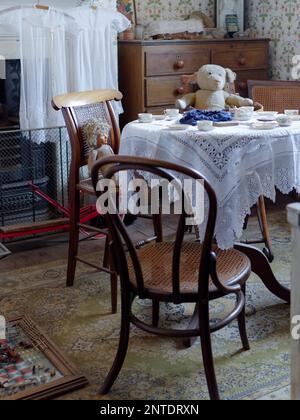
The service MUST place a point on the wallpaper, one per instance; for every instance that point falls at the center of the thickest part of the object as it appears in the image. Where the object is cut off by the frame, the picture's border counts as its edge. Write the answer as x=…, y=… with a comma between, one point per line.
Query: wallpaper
x=278, y=20
x=149, y=10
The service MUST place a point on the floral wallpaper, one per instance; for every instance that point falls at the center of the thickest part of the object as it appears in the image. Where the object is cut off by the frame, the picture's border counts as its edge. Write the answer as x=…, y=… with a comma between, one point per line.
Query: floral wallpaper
x=278, y=20
x=149, y=10
x=274, y=19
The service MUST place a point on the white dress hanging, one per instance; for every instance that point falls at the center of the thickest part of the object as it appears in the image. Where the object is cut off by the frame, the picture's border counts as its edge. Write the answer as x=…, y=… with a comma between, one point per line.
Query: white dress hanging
x=44, y=36
x=96, y=54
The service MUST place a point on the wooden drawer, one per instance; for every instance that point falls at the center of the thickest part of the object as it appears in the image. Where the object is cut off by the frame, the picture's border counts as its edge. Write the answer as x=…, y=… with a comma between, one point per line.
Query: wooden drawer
x=175, y=61
x=158, y=110
x=236, y=59
x=162, y=90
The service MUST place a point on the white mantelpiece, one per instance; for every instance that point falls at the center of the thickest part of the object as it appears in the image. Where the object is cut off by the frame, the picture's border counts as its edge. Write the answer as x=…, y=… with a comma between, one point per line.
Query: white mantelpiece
x=294, y=220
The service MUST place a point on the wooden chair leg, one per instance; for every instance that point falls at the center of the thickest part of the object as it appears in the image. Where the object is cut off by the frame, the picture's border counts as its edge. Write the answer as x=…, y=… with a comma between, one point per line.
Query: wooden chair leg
x=155, y=313
x=113, y=278
x=73, y=239
x=242, y=324
x=106, y=253
x=264, y=226
x=123, y=346
x=207, y=354
x=114, y=292
x=158, y=228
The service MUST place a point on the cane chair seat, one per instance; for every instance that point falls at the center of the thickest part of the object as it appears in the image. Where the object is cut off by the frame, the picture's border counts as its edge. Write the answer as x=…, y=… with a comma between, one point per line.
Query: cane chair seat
x=233, y=267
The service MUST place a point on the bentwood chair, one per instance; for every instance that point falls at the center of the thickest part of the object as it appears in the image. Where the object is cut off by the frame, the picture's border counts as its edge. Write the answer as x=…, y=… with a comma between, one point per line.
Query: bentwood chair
x=78, y=109
x=275, y=95
x=175, y=271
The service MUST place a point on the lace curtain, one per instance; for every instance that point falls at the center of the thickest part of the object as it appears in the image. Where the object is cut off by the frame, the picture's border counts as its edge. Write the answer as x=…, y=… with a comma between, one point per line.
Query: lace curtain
x=62, y=52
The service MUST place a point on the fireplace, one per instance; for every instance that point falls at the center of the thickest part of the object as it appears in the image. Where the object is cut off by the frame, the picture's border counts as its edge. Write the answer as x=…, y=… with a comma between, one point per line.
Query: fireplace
x=23, y=161
x=10, y=95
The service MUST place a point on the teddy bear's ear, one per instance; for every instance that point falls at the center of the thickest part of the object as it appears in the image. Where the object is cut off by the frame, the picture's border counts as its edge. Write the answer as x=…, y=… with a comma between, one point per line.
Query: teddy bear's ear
x=231, y=76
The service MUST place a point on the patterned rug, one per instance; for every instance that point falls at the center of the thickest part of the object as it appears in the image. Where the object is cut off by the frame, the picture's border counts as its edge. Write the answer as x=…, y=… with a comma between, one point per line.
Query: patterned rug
x=79, y=321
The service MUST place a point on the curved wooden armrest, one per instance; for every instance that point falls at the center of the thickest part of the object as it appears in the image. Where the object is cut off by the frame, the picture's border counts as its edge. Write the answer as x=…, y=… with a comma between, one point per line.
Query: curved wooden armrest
x=216, y=281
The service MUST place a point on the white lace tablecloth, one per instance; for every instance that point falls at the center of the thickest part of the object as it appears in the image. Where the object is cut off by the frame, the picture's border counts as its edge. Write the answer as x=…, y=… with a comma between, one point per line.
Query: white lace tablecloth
x=240, y=163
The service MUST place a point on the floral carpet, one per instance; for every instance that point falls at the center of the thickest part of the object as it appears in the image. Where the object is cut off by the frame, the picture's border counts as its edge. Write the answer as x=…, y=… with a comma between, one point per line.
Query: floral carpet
x=80, y=323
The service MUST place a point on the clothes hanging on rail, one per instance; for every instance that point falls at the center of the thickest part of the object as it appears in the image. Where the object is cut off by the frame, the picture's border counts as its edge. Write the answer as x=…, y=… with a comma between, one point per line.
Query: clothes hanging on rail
x=43, y=36
x=96, y=54
x=62, y=52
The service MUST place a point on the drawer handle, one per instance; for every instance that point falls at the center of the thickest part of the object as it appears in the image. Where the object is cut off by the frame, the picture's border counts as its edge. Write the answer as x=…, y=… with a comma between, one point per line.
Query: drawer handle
x=243, y=85
x=179, y=64
x=180, y=90
x=242, y=61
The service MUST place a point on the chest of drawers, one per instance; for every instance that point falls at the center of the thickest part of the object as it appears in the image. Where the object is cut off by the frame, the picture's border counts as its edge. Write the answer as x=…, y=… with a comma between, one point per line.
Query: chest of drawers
x=150, y=71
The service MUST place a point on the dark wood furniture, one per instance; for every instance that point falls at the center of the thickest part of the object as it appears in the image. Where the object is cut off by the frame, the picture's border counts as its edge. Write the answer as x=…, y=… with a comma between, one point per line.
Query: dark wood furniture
x=175, y=271
x=78, y=109
x=150, y=71
x=275, y=95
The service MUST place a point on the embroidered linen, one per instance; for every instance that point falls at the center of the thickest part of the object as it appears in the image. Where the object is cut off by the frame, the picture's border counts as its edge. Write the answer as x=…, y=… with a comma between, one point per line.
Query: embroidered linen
x=240, y=163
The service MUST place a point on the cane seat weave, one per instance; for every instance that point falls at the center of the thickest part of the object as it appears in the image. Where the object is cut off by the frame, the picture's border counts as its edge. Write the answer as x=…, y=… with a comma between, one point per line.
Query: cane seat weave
x=233, y=267
x=277, y=98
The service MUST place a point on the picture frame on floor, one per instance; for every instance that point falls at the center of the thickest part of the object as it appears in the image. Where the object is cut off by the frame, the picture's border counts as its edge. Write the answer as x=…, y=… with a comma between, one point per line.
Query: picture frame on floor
x=32, y=367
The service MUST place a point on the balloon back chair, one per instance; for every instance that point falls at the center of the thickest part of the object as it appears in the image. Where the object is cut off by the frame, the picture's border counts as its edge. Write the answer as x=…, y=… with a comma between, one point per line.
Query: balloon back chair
x=275, y=95
x=78, y=109
x=175, y=271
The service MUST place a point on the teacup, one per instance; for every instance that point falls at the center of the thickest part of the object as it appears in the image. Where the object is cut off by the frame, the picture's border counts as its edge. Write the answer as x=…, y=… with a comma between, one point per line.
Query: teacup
x=205, y=125
x=244, y=113
x=145, y=118
x=284, y=120
x=172, y=113
x=292, y=112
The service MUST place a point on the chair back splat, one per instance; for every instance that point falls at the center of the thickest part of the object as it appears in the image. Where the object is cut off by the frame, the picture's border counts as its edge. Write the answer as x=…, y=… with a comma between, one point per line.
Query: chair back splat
x=166, y=171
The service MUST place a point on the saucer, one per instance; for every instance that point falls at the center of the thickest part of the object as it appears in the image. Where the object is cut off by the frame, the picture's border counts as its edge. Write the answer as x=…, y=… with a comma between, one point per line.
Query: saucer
x=177, y=127
x=264, y=125
x=267, y=114
x=159, y=117
x=206, y=129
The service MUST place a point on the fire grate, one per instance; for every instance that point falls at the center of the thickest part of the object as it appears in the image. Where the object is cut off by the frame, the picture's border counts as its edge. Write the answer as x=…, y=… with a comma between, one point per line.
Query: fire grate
x=41, y=157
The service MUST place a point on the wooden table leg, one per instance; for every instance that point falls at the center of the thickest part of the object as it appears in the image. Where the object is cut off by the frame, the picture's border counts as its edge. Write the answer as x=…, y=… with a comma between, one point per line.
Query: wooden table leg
x=262, y=268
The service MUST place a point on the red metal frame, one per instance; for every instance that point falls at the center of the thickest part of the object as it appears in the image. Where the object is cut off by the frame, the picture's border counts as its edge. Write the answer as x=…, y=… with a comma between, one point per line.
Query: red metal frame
x=87, y=214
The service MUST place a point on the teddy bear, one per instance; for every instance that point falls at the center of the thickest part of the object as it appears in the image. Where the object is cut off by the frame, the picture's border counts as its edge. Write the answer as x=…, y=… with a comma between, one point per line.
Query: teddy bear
x=212, y=95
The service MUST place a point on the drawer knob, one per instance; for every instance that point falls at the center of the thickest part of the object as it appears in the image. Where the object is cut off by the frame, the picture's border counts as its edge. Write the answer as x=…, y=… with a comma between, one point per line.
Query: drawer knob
x=242, y=61
x=243, y=85
x=179, y=64
x=180, y=90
